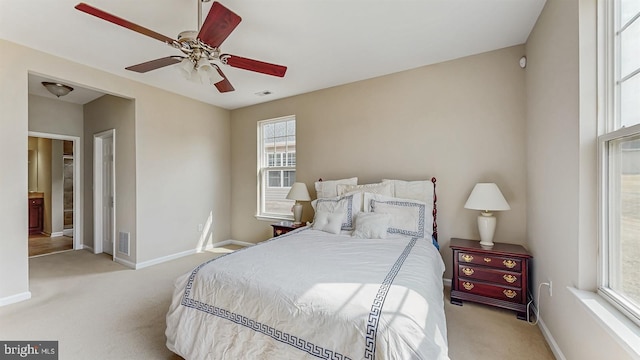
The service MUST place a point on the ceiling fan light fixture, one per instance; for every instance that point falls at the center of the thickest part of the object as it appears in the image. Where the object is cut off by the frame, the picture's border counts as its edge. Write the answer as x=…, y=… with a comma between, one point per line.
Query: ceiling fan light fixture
x=57, y=89
x=187, y=69
x=207, y=72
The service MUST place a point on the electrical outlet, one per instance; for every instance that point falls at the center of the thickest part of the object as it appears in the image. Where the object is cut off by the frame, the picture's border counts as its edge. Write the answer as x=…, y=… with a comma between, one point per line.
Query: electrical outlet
x=199, y=227
x=550, y=288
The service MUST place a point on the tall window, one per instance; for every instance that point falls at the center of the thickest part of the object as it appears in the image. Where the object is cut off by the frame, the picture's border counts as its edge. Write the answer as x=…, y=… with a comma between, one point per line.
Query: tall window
x=619, y=146
x=277, y=166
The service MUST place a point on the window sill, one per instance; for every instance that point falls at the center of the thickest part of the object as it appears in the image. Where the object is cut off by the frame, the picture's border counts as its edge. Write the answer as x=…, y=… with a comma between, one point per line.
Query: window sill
x=623, y=330
x=274, y=218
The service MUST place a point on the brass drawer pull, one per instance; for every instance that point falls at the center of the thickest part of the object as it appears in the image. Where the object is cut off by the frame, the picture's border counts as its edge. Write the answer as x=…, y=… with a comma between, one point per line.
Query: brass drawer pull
x=509, y=263
x=510, y=293
x=468, y=271
x=468, y=285
x=509, y=278
x=467, y=257
x=487, y=260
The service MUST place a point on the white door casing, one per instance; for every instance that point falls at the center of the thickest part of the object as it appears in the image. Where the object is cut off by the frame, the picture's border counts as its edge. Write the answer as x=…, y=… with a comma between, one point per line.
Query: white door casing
x=104, y=192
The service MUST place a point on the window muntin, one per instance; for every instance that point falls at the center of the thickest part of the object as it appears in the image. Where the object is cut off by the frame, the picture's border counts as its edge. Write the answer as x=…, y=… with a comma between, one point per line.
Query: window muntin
x=619, y=255
x=277, y=166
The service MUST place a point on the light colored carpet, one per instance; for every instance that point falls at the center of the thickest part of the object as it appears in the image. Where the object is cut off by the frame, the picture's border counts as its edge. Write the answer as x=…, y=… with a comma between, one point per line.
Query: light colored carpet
x=98, y=309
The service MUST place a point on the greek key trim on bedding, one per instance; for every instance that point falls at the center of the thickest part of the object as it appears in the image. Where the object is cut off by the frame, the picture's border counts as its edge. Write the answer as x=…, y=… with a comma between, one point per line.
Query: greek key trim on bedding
x=294, y=341
x=378, y=302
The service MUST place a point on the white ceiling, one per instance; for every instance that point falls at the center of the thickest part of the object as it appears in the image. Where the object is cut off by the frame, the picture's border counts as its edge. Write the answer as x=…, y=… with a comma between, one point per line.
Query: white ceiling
x=323, y=43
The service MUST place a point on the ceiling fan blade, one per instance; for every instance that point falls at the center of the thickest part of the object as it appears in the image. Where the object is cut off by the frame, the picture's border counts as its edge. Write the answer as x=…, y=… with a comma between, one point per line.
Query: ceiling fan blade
x=254, y=65
x=218, y=25
x=155, y=64
x=223, y=85
x=122, y=22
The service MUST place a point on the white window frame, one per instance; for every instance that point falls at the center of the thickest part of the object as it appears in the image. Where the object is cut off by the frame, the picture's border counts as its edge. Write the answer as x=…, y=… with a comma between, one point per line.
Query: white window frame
x=281, y=163
x=611, y=131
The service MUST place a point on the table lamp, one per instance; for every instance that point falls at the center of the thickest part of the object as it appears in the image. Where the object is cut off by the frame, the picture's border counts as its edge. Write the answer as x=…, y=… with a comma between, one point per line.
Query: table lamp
x=298, y=193
x=487, y=198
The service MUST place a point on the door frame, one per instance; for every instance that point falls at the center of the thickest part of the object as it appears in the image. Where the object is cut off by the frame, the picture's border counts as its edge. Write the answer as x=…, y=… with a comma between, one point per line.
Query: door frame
x=98, y=140
x=78, y=194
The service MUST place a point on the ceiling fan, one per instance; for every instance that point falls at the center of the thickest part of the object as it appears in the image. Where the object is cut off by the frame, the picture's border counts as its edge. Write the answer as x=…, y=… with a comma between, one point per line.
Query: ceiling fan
x=199, y=48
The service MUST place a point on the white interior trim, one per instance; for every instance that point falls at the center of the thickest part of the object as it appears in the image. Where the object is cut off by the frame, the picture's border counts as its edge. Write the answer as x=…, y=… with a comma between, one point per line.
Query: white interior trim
x=78, y=193
x=15, y=298
x=620, y=327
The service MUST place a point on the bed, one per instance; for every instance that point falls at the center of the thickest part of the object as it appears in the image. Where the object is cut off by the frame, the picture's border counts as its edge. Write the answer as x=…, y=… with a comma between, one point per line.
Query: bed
x=352, y=290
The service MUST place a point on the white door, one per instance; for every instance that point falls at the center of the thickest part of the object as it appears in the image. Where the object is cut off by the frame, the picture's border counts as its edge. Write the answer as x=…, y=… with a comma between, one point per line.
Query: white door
x=107, y=195
x=104, y=192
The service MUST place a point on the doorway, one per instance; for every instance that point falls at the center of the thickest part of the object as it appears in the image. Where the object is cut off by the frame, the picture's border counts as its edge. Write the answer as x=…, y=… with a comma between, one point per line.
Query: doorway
x=104, y=192
x=55, y=222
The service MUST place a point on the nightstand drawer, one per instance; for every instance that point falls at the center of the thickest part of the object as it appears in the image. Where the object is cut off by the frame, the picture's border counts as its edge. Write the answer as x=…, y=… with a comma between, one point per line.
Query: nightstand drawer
x=489, y=290
x=470, y=272
x=493, y=261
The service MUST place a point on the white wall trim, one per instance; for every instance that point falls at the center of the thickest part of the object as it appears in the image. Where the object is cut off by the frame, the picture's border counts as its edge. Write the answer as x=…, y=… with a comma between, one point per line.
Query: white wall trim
x=162, y=259
x=57, y=234
x=553, y=345
x=230, y=242
x=15, y=298
x=624, y=331
x=446, y=282
x=78, y=190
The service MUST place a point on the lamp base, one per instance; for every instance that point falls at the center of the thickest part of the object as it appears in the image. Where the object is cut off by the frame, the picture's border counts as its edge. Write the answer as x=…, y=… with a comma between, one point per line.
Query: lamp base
x=486, y=227
x=297, y=213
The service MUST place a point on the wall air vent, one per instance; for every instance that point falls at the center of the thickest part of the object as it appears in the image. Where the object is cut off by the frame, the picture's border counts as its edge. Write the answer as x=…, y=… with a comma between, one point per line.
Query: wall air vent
x=264, y=93
x=123, y=243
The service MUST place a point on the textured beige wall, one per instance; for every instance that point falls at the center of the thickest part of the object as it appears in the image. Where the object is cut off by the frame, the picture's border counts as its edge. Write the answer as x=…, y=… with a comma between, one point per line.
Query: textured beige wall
x=461, y=121
x=561, y=172
x=167, y=212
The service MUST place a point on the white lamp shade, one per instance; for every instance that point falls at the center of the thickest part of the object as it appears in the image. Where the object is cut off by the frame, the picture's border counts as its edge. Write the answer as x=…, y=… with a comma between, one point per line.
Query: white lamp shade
x=486, y=197
x=208, y=74
x=187, y=69
x=299, y=192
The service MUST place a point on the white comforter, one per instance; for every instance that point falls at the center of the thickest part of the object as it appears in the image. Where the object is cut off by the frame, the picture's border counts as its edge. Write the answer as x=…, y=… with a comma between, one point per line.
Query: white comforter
x=308, y=295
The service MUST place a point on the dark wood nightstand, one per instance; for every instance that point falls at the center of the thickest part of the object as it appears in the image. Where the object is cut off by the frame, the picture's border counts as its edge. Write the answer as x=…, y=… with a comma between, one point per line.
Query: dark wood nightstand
x=498, y=276
x=284, y=227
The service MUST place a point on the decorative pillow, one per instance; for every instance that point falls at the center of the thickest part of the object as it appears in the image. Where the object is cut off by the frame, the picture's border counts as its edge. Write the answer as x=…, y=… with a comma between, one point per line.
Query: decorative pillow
x=417, y=190
x=371, y=225
x=330, y=222
x=328, y=189
x=349, y=205
x=408, y=217
x=378, y=188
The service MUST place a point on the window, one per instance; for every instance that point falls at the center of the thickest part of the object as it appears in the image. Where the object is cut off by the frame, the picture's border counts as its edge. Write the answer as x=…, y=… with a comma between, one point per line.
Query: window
x=277, y=166
x=619, y=146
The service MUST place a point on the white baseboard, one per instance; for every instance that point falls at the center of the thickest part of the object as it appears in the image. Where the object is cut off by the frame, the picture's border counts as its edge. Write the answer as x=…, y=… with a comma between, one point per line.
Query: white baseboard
x=124, y=262
x=230, y=242
x=446, y=282
x=15, y=298
x=555, y=349
x=160, y=260
x=57, y=234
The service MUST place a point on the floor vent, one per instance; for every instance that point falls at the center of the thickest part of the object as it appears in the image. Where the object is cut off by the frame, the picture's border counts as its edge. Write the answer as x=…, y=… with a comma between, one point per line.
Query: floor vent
x=123, y=243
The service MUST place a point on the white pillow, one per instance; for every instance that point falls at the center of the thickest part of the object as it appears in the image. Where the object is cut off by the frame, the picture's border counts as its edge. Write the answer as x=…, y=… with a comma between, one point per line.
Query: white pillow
x=328, y=188
x=330, y=222
x=378, y=188
x=408, y=217
x=371, y=225
x=417, y=190
x=348, y=204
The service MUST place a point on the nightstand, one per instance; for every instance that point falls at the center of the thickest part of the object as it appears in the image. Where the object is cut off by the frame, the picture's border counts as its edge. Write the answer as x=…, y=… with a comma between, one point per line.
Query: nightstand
x=498, y=276
x=284, y=227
